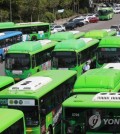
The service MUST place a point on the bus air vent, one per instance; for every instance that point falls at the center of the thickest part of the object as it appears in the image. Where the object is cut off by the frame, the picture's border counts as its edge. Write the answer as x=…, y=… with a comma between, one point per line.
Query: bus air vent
x=44, y=42
x=31, y=83
x=107, y=96
x=86, y=40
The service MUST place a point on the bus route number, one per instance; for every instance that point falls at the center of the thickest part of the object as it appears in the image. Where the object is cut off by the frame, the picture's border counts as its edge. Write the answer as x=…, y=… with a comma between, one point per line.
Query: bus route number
x=75, y=114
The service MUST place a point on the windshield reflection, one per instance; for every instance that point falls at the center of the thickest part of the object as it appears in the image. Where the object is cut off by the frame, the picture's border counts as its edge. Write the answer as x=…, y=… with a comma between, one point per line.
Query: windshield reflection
x=31, y=114
x=103, y=12
x=17, y=61
x=108, y=57
x=64, y=59
x=64, y=62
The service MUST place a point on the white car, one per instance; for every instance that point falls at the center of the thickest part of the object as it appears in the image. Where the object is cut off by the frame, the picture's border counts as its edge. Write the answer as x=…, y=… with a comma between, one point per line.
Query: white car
x=53, y=30
x=59, y=28
x=116, y=10
x=91, y=15
x=82, y=19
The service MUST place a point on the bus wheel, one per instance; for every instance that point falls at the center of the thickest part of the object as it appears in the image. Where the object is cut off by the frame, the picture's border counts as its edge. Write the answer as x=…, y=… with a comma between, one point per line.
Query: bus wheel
x=50, y=130
x=34, y=38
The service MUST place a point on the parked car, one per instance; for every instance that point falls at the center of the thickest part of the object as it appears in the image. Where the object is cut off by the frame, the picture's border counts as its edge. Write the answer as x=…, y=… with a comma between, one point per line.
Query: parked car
x=78, y=22
x=91, y=15
x=70, y=25
x=52, y=28
x=82, y=20
x=78, y=17
x=116, y=10
x=93, y=19
x=116, y=27
x=86, y=18
x=59, y=28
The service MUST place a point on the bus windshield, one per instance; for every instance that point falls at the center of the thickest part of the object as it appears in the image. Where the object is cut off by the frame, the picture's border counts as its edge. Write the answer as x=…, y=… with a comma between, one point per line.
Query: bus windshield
x=103, y=12
x=31, y=114
x=77, y=118
x=17, y=61
x=64, y=59
x=108, y=55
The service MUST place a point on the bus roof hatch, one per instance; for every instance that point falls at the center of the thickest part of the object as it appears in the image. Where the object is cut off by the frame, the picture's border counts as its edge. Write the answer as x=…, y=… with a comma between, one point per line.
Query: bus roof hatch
x=86, y=40
x=74, y=32
x=44, y=42
x=31, y=83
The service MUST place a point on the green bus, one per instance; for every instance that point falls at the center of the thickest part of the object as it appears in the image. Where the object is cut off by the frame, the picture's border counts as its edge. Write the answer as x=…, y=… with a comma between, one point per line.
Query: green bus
x=30, y=30
x=5, y=81
x=100, y=33
x=73, y=54
x=60, y=36
x=26, y=58
x=12, y=121
x=105, y=13
x=108, y=51
x=40, y=98
x=97, y=80
x=91, y=114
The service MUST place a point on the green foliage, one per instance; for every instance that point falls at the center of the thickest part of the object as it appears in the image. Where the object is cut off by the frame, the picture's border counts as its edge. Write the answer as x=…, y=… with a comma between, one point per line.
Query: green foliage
x=4, y=15
x=48, y=17
x=67, y=13
x=40, y=10
x=86, y=10
x=65, y=3
x=83, y=10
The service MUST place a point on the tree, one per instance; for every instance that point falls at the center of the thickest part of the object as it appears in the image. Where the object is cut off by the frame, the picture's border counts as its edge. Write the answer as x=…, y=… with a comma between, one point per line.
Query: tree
x=65, y=3
x=52, y=5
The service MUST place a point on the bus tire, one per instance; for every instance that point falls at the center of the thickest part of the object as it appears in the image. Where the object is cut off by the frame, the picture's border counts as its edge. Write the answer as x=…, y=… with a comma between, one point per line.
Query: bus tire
x=50, y=130
x=34, y=38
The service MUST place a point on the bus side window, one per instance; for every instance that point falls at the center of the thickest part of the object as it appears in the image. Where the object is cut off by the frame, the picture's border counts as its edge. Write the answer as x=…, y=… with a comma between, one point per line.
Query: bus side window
x=33, y=61
x=84, y=56
x=79, y=59
x=46, y=103
x=38, y=59
x=59, y=94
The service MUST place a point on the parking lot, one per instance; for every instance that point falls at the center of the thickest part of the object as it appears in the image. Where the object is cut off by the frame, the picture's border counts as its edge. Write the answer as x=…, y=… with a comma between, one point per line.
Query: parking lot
x=87, y=27
x=100, y=25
